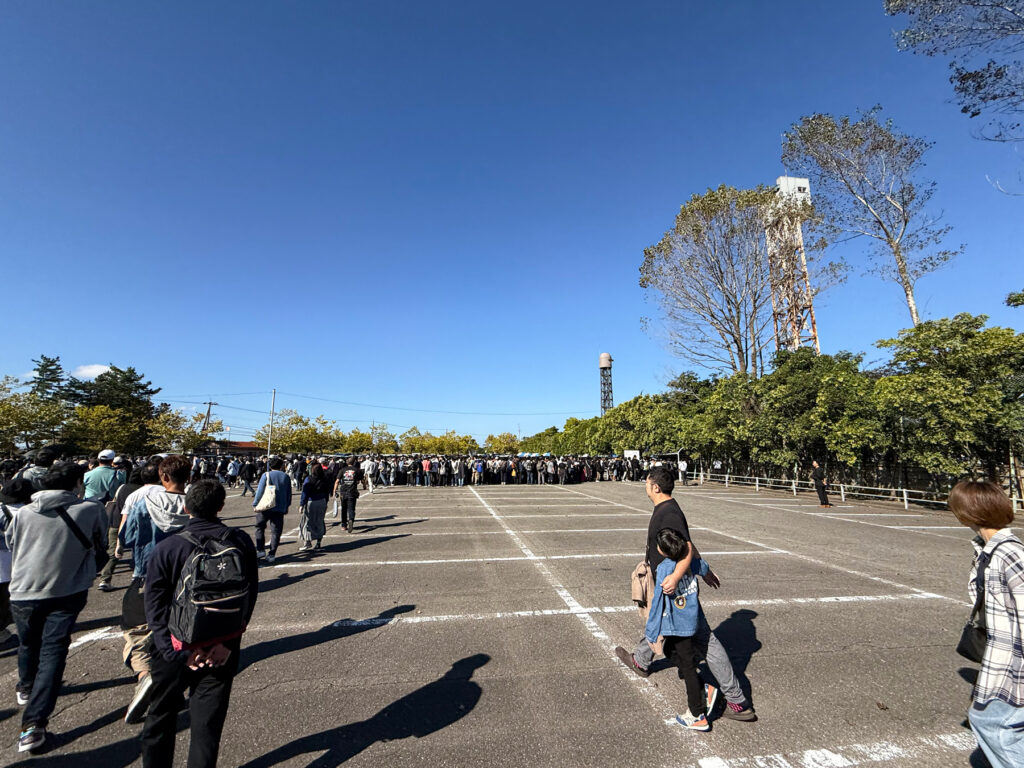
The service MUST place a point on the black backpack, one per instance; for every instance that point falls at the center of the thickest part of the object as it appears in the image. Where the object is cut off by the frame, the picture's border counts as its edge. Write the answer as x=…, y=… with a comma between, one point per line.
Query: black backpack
x=211, y=600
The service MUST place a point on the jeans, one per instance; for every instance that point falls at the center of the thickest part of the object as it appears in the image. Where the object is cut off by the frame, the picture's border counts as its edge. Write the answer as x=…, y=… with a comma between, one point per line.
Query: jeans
x=247, y=487
x=705, y=642
x=44, y=634
x=276, y=520
x=348, y=509
x=999, y=728
x=210, y=694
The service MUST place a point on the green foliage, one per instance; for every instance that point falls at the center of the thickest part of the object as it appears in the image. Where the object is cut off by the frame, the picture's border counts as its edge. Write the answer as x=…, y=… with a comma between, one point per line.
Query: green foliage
x=505, y=442
x=1015, y=299
x=93, y=428
x=175, y=431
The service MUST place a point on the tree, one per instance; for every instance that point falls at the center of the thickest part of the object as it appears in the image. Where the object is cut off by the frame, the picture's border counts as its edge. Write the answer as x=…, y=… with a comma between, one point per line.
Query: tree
x=124, y=392
x=542, y=442
x=1015, y=299
x=709, y=277
x=383, y=440
x=867, y=179
x=506, y=443
x=95, y=427
x=985, y=39
x=48, y=378
x=175, y=431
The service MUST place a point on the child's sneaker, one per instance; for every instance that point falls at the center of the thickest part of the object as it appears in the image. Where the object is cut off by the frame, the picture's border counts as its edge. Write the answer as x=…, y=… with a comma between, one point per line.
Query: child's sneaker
x=699, y=723
x=711, y=693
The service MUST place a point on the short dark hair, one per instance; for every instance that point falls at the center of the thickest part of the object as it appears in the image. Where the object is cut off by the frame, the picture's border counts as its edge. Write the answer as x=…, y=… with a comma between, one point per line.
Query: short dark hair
x=176, y=467
x=17, y=491
x=981, y=503
x=150, y=472
x=62, y=477
x=663, y=478
x=45, y=456
x=672, y=544
x=276, y=463
x=205, y=498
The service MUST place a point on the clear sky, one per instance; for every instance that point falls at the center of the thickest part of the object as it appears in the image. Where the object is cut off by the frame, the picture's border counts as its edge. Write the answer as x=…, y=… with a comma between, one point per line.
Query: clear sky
x=439, y=206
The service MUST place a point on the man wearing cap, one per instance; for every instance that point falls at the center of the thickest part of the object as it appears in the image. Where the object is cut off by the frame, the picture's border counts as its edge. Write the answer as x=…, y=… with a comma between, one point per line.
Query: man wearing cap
x=102, y=483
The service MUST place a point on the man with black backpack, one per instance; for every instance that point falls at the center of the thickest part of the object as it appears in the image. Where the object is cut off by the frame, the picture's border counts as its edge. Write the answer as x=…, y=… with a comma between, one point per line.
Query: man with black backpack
x=201, y=588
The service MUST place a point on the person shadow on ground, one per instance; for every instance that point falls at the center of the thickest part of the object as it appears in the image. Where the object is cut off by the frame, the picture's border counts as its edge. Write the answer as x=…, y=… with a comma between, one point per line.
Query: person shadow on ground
x=253, y=654
x=426, y=710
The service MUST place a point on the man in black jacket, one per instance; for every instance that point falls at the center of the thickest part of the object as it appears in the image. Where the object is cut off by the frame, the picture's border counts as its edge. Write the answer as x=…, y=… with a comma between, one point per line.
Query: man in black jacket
x=208, y=670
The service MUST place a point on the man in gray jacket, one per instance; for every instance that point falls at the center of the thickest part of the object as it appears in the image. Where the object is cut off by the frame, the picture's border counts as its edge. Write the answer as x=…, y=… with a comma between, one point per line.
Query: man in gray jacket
x=51, y=572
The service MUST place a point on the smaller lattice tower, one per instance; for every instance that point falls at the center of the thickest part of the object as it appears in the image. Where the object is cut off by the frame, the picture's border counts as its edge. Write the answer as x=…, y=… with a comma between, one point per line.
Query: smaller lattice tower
x=604, y=363
x=792, y=297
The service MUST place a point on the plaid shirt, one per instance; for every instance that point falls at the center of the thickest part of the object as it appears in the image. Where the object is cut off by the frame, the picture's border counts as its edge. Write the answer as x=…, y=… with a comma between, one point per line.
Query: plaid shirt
x=1002, y=667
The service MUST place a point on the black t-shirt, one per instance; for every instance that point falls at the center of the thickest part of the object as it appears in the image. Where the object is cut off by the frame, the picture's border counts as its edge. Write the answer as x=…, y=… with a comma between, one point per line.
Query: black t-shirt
x=665, y=515
x=348, y=479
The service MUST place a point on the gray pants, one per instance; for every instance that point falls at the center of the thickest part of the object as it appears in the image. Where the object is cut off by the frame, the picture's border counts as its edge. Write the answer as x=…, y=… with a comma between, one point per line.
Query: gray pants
x=715, y=655
x=311, y=521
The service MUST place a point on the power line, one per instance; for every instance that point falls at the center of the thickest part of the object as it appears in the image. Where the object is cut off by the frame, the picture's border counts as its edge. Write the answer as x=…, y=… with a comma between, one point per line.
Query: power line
x=429, y=410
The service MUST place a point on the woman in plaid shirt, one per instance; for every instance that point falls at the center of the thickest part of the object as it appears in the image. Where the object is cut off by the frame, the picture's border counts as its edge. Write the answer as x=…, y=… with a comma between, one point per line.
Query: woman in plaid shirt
x=997, y=712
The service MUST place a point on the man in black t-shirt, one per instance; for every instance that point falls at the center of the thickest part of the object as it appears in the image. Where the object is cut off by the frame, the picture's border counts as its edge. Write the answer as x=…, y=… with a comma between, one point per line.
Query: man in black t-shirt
x=346, y=488
x=667, y=514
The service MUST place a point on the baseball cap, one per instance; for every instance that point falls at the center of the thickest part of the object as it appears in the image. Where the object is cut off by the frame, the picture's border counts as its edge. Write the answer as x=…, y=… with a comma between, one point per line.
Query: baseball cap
x=118, y=460
x=106, y=455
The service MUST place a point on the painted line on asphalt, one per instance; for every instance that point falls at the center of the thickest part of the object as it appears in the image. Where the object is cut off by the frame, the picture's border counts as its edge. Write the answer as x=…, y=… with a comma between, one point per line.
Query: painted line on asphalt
x=816, y=561
x=479, y=533
x=930, y=750
x=502, y=559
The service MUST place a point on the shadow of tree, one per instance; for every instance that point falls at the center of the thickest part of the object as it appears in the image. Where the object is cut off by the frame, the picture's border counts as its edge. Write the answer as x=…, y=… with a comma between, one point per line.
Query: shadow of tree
x=287, y=580
x=337, y=630
x=424, y=711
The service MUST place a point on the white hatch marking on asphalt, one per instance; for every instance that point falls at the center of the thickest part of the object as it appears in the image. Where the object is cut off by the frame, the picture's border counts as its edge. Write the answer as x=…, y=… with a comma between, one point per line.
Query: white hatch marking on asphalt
x=663, y=707
x=914, y=748
x=816, y=561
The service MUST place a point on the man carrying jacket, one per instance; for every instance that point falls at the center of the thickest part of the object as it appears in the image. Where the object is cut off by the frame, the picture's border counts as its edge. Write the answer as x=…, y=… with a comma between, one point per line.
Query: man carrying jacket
x=51, y=572
x=207, y=670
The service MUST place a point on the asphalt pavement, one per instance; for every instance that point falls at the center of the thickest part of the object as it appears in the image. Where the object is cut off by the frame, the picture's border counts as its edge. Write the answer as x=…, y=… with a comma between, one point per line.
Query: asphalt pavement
x=477, y=626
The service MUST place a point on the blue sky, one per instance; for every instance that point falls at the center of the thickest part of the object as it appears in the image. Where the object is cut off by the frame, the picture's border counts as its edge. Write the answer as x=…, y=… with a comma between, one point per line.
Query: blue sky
x=439, y=206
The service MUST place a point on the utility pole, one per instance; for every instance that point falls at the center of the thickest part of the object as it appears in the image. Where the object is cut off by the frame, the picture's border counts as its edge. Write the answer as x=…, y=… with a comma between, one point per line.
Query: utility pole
x=270, y=432
x=206, y=422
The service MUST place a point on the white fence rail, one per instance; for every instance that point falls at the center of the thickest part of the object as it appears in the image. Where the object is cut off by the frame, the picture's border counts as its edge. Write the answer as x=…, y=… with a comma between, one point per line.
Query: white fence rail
x=904, y=496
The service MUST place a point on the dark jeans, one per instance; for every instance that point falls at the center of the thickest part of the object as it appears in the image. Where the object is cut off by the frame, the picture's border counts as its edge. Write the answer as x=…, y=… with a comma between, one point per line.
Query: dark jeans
x=276, y=520
x=247, y=487
x=348, y=509
x=44, y=634
x=680, y=651
x=822, y=495
x=209, y=695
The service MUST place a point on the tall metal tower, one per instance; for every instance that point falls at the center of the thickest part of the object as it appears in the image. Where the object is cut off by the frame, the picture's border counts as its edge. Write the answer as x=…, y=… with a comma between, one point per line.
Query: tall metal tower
x=604, y=362
x=792, y=297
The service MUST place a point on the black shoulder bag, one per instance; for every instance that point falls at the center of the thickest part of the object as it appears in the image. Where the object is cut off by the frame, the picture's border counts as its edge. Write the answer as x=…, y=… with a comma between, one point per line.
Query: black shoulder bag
x=974, y=636
x=101, y=554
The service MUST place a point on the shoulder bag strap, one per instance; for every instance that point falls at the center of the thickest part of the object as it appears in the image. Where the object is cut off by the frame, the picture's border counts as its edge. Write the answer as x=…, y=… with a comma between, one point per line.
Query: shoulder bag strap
x=978, y=613
x=63, y=512
x=7, y=512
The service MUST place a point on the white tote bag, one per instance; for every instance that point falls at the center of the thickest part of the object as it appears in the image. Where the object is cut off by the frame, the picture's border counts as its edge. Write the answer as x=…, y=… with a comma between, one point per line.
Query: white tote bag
x=269, y=498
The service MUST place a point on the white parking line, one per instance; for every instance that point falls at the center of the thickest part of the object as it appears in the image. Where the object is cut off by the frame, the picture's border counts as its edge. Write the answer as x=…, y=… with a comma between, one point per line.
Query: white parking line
x=508, y=559
x=809, y=559
x=664, y=708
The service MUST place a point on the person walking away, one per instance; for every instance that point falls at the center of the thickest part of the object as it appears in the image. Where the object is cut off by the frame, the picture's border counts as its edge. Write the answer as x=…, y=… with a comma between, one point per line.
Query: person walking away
x=667, y=514
x=152, y=516
x=370, y=471
x=313, y=508
x=274, y=516
x=674, y=618
x=346, y=488
x=223, y=562
x=820, y=484
x=102, y=482
x=247, y=473
x=16, y=493
x=996, y=714
x=51, y=572
x=115, y=514
x=683, y=466
x=234, y=466
x=41, y=462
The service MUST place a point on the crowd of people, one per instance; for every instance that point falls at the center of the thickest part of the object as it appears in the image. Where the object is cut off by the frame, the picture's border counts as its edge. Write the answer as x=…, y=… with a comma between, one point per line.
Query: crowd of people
x=66, y=523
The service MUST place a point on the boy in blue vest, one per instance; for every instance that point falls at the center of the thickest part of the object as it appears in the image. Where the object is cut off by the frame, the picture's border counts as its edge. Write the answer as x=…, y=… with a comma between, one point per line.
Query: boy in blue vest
x=674, y=618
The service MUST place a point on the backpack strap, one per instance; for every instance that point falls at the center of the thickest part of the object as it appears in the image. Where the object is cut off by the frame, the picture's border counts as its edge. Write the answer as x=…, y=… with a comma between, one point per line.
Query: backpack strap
x=63, y=512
